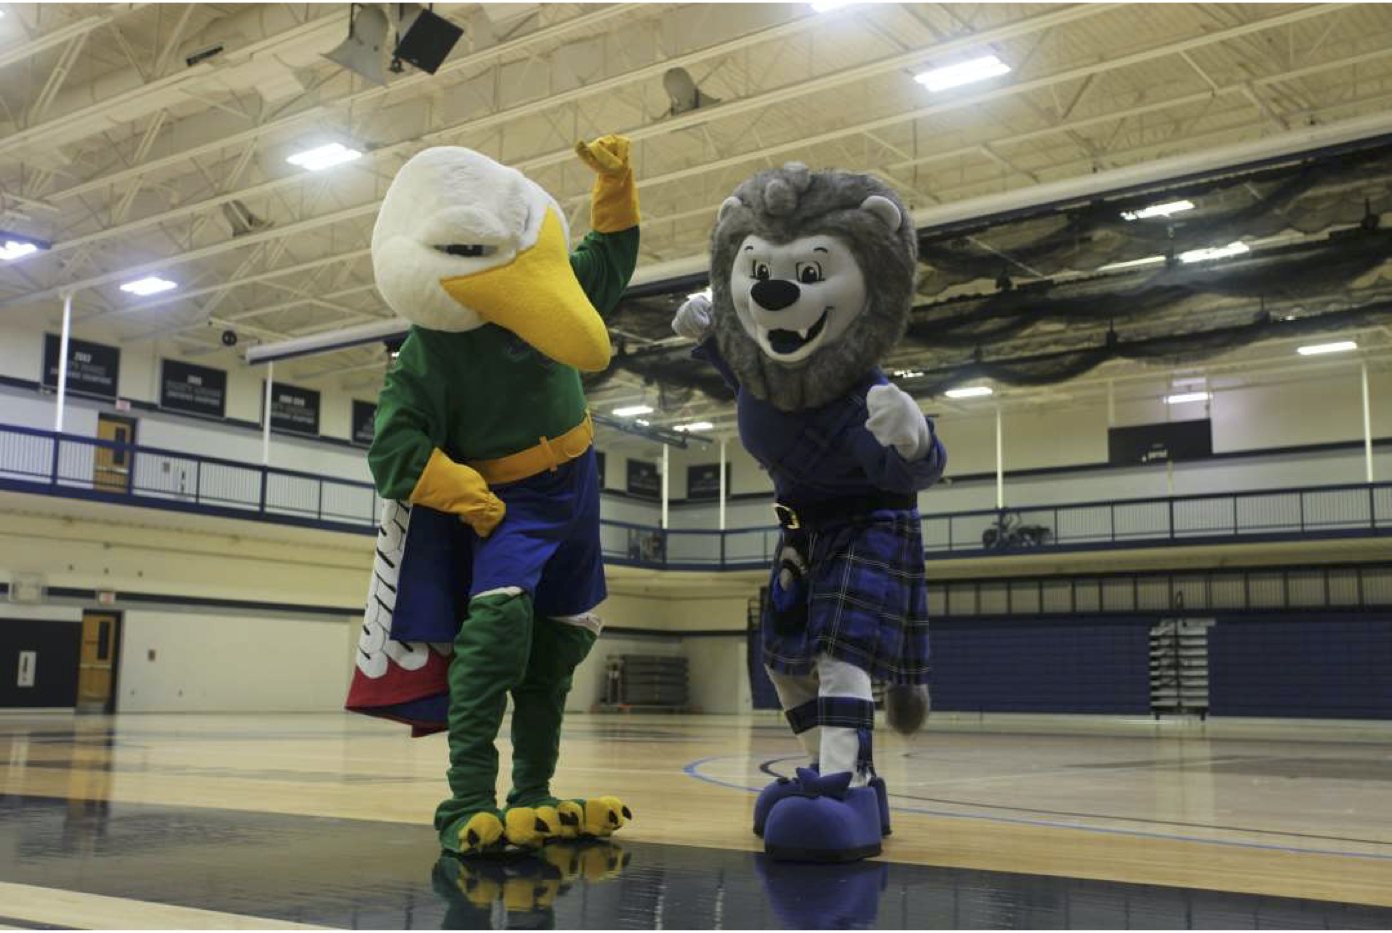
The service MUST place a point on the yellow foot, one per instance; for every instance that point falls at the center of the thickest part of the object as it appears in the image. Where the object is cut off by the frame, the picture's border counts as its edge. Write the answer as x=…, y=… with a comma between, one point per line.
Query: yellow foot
x=477, y=834
x=604, y=815
x=525, y=826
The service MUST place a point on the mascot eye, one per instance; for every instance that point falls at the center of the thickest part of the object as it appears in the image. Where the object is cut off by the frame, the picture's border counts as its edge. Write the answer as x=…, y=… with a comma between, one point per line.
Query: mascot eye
x=761, y=271
x=466, y=249
x=809, y=272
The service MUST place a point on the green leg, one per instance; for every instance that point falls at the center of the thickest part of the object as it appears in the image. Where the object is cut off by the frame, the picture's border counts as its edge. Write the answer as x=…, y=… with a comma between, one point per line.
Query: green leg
x=539, y=706
x=490, y=658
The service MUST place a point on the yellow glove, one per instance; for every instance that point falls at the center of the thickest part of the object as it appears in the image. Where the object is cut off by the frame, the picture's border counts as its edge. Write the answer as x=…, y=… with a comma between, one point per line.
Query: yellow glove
x=452, y=487
x=614, y=199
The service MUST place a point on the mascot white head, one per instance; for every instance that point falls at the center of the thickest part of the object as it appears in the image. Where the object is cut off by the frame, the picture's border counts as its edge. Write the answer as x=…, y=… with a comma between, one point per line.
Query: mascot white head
x=812, y=281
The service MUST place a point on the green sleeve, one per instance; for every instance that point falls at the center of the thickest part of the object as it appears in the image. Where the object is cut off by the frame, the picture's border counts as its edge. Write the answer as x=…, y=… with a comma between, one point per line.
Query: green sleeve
x=410, y=420
x=604, y=262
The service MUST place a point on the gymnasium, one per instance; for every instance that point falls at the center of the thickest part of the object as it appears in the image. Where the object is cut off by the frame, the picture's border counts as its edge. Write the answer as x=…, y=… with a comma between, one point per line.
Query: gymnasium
x=1151, y=327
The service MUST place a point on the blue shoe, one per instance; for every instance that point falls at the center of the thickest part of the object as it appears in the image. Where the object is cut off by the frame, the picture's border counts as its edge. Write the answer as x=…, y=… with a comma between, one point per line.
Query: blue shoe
x=779, y=790
x=829, y=821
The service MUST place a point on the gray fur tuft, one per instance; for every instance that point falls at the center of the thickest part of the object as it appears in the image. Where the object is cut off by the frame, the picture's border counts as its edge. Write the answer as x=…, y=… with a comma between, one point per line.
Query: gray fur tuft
x=781, y=205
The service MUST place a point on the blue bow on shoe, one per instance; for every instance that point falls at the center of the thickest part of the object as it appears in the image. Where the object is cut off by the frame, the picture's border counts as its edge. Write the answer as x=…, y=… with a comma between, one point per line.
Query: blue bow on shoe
x=816, y=785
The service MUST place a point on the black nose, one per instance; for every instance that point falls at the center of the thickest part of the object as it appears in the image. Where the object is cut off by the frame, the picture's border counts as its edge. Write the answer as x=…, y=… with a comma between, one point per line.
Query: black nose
x=775, y=294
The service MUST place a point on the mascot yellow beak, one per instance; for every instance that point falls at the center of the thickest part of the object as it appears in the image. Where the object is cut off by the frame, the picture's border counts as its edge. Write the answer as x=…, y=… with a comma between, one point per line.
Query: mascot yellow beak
x=537, y=297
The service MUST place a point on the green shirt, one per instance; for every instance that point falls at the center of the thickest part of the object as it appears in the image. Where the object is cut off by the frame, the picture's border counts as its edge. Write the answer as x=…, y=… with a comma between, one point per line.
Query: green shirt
x=484, y=393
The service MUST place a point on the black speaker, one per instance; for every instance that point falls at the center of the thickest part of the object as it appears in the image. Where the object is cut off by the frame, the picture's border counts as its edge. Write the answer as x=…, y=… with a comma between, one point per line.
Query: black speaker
x=428, y=41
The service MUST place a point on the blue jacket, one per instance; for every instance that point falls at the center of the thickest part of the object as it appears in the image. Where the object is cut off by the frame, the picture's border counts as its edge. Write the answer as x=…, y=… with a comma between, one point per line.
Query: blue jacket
x=825, y=453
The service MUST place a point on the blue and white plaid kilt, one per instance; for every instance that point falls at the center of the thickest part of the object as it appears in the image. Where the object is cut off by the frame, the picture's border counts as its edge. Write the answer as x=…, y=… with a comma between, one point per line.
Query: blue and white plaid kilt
x=863, y=600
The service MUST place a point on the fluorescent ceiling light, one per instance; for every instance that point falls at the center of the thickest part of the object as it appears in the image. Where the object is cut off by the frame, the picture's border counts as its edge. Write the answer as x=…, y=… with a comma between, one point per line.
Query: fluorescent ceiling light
x=969, y=392
x=150, y=285
x=643, y=421
x=949, y=76
x=1131, y=264
x=14, y=249
x=1213, y=252
x=907, y=373
x=1183, y=397
x=632, y=410
x=1339, y=346
x=324, y=157
x=694, y=426
x=1159, y=210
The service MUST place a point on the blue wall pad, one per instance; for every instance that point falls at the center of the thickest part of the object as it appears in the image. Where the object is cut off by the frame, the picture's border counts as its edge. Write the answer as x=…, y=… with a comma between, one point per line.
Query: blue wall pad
x=1316, y=666
x=1042, y=666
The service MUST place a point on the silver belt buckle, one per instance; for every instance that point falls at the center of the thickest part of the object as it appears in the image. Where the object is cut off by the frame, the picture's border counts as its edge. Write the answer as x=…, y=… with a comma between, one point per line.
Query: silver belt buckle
x=786, y=516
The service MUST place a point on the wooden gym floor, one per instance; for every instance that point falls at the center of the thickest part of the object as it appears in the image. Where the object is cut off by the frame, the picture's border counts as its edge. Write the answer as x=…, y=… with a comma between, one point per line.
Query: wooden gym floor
x=323, y=820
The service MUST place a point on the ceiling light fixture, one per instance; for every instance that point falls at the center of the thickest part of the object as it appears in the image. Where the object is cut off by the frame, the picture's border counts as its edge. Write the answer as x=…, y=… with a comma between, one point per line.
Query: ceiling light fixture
x=13, y=249
x=322, y=157
x=969, y=392
x=950, y=76
x=1158, y=210
x=631, y=410
x=1214, y=252
x=1183, y=397
x=150, y=285
x=907, y=373
x=1339, y=346
x=693, y=426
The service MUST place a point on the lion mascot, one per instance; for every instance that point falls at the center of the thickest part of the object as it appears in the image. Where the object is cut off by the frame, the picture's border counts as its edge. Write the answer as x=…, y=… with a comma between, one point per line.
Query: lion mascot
x=812, y=280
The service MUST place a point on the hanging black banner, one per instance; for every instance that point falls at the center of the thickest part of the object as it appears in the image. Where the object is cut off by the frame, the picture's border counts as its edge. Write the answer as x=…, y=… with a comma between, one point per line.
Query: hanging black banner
x=198, y=390
x=1151, y=443
x=294, y=409
x=703, y=481
x=364, y=421
x=643, y=479
x=93, y=368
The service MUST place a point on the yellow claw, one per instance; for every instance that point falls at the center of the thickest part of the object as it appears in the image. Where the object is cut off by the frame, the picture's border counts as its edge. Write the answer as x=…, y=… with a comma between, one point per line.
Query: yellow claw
x=482, y=831
x=570, y=816
x=525, y=827
x=604, y=861
x=604, y=815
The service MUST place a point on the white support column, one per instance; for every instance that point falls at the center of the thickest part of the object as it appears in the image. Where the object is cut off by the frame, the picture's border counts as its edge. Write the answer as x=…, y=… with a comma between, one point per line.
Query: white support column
x=723, y=491
x=1367, y=426
x=666, y=465
x=63, y=362
x=266, y=416
x=1000, y=463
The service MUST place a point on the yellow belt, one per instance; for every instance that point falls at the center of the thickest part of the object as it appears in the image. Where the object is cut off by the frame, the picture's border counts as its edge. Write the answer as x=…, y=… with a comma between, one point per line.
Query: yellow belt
x=548, y=454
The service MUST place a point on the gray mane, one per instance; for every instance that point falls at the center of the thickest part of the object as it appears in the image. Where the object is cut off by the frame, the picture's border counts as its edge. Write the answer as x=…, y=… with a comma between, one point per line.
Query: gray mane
x=781, y=205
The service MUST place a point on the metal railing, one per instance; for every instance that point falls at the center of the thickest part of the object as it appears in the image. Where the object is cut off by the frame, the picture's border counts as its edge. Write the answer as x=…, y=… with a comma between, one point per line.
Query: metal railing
x=34, y=460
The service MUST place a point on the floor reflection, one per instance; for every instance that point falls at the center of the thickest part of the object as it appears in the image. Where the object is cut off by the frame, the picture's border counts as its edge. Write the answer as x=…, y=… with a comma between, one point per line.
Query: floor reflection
x=363, y=874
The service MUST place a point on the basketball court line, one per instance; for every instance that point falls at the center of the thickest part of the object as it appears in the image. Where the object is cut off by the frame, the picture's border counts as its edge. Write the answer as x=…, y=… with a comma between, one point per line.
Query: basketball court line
x=32, y=907
x=693, y=770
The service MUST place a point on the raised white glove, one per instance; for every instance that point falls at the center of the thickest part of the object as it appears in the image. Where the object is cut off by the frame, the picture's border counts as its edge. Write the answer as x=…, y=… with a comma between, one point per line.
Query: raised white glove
x=896, y=421
x=694, y=318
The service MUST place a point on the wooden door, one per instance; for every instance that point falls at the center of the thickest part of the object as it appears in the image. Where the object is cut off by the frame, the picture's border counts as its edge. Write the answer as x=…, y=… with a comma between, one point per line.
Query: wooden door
x=96, y=673
x=112, y=468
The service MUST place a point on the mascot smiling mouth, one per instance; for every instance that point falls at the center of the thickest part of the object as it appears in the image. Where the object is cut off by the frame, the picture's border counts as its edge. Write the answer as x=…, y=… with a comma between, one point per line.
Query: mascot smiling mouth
x=786, y=342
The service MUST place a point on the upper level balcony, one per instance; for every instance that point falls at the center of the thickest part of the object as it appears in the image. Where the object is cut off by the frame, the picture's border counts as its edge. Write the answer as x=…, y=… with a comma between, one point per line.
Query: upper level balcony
x=46, y=463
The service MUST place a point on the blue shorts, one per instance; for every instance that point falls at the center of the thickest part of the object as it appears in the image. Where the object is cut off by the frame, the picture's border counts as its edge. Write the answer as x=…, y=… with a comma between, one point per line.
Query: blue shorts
x=547, y=544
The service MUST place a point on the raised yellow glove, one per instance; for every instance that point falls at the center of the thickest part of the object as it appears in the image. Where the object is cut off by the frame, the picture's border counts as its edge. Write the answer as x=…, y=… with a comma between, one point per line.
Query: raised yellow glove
x=614, y=199
x=452, y=487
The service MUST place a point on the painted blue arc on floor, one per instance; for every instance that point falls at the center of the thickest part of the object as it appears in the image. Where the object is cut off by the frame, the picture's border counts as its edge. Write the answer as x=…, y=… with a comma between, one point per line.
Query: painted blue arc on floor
x=693, y=769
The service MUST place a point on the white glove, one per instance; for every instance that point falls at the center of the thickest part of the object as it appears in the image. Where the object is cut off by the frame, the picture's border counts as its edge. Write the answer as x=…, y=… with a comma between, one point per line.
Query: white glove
x=694, y=318
x=896, y=421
